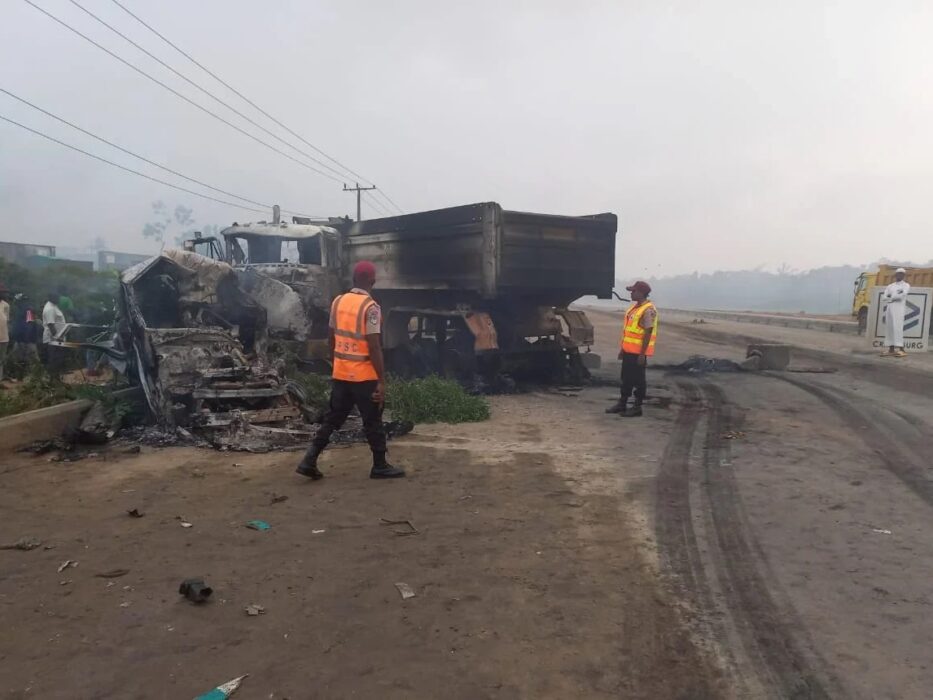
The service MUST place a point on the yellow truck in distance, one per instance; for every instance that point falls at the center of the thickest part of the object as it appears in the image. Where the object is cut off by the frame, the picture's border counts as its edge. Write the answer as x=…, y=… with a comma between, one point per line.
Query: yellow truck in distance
x=916, y=277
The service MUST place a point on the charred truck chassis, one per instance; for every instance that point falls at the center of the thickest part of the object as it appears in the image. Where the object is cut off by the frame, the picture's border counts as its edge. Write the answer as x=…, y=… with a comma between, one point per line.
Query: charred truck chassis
x=464, y=291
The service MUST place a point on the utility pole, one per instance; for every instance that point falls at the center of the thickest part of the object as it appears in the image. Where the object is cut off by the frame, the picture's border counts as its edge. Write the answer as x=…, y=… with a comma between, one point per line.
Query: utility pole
x=358, y=191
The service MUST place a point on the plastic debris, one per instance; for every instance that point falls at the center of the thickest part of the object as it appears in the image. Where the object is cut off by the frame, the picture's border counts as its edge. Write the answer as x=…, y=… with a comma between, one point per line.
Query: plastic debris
x=318, y=532
x=186, y=524
x=24, y=544
x=195, y=590
x=405, y=590
x=67, y=564
x=407, y=529
x=115, y=573
x=276, y=498
x=881, y=531
x=222, y=691
x=253, y=610
x=260, y=525
x=135, y=513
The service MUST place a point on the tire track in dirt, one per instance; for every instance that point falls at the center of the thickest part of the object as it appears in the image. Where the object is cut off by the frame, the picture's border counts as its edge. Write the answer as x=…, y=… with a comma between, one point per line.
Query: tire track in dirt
x=893, y=452
x=674, y=520
x=768, y=640
x=767, y=631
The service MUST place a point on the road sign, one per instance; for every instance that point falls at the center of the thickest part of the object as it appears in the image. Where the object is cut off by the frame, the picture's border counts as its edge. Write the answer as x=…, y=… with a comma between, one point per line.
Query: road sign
x=916, y=318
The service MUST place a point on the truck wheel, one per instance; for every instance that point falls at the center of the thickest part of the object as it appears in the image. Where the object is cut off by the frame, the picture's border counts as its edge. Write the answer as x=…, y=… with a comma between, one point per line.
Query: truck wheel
x=862, y=320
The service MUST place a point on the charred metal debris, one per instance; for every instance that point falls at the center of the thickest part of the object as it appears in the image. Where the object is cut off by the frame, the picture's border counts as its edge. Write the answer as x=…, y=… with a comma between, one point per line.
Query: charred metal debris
x=197, y=335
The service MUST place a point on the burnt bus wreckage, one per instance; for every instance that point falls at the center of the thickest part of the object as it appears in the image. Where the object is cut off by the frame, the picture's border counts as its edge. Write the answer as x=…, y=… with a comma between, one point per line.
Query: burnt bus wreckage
x=473, y=292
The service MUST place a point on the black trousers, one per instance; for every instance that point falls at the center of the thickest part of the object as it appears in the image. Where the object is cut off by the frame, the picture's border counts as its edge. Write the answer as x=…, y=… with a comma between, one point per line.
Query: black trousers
x=633, y=378
x=343, y=397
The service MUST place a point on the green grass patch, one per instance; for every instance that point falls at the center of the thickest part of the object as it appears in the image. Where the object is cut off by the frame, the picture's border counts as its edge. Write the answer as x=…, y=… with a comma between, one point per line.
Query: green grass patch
x=434, y=400
x=316, y=387
x=39, y=390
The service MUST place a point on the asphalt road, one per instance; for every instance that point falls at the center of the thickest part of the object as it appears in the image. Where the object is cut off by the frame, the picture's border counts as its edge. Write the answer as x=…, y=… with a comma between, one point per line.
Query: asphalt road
x=793, y=514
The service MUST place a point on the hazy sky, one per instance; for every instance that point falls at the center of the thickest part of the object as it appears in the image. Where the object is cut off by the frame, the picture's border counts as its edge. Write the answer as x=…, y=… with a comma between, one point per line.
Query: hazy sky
x=723, y=134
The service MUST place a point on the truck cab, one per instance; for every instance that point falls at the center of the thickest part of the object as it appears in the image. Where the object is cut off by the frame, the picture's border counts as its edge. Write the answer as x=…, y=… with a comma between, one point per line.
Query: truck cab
x=861, y=299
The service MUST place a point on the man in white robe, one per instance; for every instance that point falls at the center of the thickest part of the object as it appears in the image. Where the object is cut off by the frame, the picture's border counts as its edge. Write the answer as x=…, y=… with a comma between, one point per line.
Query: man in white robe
x=895, y=301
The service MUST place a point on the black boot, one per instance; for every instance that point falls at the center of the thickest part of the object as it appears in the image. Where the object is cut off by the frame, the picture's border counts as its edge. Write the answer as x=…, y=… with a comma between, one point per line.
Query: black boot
x=308, y=465
x=617, y=407
x=383, y=470
x=633, y=412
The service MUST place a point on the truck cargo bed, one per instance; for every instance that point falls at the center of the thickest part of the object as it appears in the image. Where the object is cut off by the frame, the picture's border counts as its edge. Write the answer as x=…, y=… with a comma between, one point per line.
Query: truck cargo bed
x=491, y=252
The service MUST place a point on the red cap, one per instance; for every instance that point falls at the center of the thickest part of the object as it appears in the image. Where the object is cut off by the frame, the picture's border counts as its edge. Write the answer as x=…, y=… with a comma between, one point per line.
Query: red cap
x=640, y=286
x=364, y=270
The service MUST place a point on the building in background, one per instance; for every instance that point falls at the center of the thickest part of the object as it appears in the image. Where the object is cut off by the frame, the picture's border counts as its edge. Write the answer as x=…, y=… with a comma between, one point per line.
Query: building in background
x=35, y=256
x=21, y=253
x=112, y=260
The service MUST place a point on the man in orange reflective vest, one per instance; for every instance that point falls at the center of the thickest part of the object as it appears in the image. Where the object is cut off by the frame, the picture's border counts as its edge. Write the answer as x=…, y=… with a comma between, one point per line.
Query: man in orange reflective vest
x=636, y=345
x=358, y=376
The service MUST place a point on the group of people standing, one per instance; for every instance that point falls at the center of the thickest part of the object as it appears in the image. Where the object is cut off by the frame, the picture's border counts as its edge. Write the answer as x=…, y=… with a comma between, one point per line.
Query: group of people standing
x=25, y=336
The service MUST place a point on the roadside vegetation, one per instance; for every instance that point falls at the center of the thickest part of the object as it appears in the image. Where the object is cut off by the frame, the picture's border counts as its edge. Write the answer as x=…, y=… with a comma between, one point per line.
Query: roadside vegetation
x=40, y=390
x=434, y=400
x=428, y=400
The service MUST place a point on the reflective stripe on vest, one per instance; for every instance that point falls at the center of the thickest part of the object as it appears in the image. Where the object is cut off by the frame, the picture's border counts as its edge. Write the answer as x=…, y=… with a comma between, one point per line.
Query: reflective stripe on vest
x=351, y=350
x=633, y=335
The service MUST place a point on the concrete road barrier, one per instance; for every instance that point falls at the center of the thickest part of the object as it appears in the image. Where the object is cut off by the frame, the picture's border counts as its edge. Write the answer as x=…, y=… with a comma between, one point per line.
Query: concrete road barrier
x=42, y=424
x=55, y=421
x=817, y=324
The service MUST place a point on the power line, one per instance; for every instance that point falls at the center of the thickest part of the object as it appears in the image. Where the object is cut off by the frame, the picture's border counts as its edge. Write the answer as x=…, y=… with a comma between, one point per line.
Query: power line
x=178, y=94
x=376, y=204
x=129, y=170
x=152, y=162
x=142, y=158
x=203, y=89
x=246, y=99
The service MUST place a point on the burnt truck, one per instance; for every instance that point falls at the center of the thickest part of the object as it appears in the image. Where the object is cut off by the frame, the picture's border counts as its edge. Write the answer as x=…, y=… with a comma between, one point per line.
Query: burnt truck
x=477, y=293
x=474, y=291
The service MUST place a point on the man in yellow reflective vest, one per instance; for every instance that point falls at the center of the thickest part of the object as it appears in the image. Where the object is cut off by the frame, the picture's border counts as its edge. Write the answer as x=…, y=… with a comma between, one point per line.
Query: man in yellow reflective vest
x=358, y=376
x=639, y=333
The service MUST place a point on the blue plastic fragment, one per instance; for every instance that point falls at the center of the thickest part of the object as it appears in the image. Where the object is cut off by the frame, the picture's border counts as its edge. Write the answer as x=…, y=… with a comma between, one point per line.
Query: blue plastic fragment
x=258, y=525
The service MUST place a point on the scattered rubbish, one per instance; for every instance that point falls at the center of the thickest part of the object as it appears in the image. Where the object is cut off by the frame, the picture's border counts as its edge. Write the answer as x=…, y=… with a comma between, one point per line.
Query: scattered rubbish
x=767, y=356
x=125, y=604
x=318, y=532
x=24, y=544
x=405, y=590
x=813, y=370
x=222, y=691
x=732, y=435
x=186, y=524
x=67, y=564
x=409, y=528
x=699, y=321
x=135, y=513
x=64, y=583
x=260, y=525
x=699, y=364
x=195, y=590
x=880, y=531
x=115, y=573
x=276, y=498
x=254, y=610
x=98, y=426
x=237, y=464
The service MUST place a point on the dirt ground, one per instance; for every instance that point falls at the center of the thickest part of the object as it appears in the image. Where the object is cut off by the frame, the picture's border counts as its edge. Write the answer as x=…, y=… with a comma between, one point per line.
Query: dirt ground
x=752, y=536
